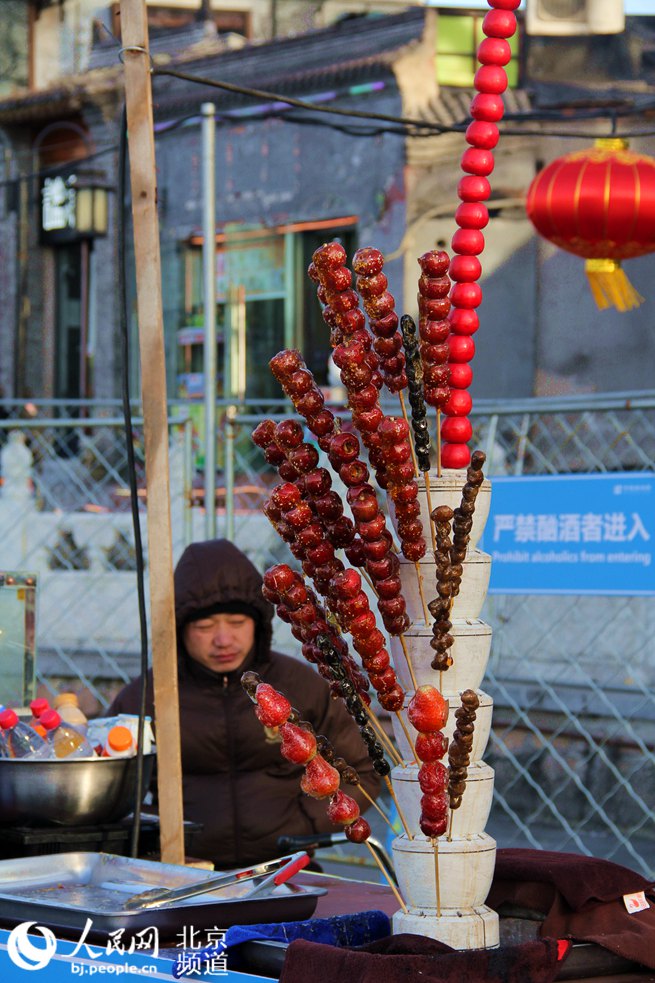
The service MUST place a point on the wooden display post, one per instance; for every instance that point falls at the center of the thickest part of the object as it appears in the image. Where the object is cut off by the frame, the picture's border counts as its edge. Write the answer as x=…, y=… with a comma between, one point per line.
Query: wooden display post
x=138, y=99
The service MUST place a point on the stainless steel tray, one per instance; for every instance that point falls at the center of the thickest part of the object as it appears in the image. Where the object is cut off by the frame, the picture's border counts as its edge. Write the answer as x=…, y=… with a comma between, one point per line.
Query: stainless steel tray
x=63, y=890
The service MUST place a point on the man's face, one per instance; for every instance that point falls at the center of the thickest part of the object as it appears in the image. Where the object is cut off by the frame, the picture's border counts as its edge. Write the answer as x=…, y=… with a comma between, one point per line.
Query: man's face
x=221, y=642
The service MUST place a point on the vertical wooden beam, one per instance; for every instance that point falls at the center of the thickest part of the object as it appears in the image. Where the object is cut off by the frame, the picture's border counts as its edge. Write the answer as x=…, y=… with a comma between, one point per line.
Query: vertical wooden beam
x=138, y=100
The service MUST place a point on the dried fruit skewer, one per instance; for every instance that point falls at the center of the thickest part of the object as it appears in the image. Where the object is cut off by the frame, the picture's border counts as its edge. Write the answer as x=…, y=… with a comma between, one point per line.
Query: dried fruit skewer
x=459, y=752
x=418, y=405
x=441, y=639
x=463, y=519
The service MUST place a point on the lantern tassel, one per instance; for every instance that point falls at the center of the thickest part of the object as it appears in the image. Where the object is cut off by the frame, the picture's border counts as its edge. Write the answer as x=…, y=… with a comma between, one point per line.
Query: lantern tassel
x=610, y=286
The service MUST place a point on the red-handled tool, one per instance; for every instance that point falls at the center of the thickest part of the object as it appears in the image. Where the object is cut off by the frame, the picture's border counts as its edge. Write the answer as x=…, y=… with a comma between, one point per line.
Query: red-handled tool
x=272, y=872
x=295, y=863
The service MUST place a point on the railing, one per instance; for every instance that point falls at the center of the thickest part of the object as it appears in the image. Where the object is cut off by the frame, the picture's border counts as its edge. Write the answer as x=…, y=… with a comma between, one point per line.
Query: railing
x=572, y=678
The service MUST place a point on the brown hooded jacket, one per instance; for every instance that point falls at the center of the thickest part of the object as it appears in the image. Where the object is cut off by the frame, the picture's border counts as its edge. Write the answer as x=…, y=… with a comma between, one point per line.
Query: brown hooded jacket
x=235, y=782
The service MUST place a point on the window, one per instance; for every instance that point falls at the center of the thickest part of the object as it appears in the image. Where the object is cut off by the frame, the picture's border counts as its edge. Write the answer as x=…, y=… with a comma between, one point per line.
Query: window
x=281, y=307
x=458, y=37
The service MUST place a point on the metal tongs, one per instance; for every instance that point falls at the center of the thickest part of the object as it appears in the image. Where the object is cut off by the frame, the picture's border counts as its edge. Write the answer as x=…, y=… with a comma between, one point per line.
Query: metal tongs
x=273, y=873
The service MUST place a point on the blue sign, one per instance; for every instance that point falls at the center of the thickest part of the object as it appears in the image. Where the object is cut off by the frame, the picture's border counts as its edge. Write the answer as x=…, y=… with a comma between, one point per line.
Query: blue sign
x=572, y=534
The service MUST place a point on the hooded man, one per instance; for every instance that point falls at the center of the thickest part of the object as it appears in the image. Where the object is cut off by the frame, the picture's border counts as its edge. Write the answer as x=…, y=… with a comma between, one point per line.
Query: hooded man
x=235, y=781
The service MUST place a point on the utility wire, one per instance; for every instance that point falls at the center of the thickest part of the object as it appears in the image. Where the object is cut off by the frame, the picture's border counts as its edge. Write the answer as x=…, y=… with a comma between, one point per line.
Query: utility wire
x=404, y=121
x=131, y=470
x=397, y=125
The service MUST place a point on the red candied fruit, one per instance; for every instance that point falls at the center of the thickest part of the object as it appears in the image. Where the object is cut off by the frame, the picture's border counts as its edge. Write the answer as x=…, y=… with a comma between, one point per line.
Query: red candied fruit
x=368, y=261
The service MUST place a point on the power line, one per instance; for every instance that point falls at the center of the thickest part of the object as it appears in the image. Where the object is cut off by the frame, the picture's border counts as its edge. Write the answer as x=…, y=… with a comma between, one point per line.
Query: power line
x=395, y=125
x=409, y=123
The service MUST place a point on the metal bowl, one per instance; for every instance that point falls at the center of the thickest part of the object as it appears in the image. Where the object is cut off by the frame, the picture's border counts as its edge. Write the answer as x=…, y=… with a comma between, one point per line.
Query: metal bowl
x=69, y=793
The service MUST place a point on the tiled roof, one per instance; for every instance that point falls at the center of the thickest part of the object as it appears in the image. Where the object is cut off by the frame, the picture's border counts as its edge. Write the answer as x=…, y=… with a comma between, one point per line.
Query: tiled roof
x=348, y=50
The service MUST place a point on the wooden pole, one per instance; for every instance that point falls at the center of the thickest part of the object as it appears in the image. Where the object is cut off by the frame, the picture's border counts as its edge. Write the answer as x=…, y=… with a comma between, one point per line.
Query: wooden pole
x=138, y=101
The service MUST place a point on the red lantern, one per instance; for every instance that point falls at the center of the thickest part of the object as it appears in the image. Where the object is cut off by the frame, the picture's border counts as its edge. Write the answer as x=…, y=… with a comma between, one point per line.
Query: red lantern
x=599, y=204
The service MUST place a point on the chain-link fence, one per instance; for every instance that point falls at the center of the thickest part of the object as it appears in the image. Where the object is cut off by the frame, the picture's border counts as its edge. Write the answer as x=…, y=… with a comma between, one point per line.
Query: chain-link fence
x=573, y=740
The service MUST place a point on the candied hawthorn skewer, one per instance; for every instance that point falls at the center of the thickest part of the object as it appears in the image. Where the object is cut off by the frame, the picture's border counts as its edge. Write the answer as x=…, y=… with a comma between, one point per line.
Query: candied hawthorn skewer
x=298, y=606
x=379, y=304
x=434, y=330
x=320, y=779
x=394, y=434
x=299, y=385
x=350, y=605
x=474, y=189
x=459, y=752
x=380, y=562
x=348, y=775
x=369, y=736
x=314, y=483
x=428, y=713
x=353, y=354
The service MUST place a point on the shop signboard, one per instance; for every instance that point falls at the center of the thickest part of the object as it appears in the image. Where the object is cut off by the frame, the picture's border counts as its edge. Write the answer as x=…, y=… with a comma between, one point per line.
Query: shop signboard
x=572, y=534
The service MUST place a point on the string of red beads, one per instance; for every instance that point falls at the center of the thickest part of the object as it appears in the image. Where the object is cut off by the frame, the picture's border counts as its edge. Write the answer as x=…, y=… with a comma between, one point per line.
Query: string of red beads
x=472, y=216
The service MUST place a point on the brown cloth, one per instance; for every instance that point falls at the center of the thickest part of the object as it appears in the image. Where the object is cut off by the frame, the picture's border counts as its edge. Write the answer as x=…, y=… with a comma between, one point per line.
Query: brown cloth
x=581, y=897
x=400, y=958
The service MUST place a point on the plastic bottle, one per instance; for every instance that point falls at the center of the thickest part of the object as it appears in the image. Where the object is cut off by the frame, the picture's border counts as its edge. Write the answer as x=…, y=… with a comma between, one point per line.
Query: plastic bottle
x=119, y=743
x=68, y=708
x=22, y=740
x=37, y=707
x=64, y=740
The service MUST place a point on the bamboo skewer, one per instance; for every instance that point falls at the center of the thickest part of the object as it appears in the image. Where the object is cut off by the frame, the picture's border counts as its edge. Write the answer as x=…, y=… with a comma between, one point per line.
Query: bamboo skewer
x=386, y=877
x=450, y=825
x=408, y=661
x=438, y=443
x=375, y=806
x=435, y=846
x=411, y=441
x=401, y=815
x=407, y=735
x=426, y=477
x=419, y=577
x=368, y=580
x=379, y=730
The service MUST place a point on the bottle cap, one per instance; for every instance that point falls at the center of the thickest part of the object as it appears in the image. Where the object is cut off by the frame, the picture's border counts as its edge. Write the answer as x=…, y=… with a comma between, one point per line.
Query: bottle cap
x=38, y=706
x=65, y=700
x=50, y=719
x=8, y=719
x=119, y=738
